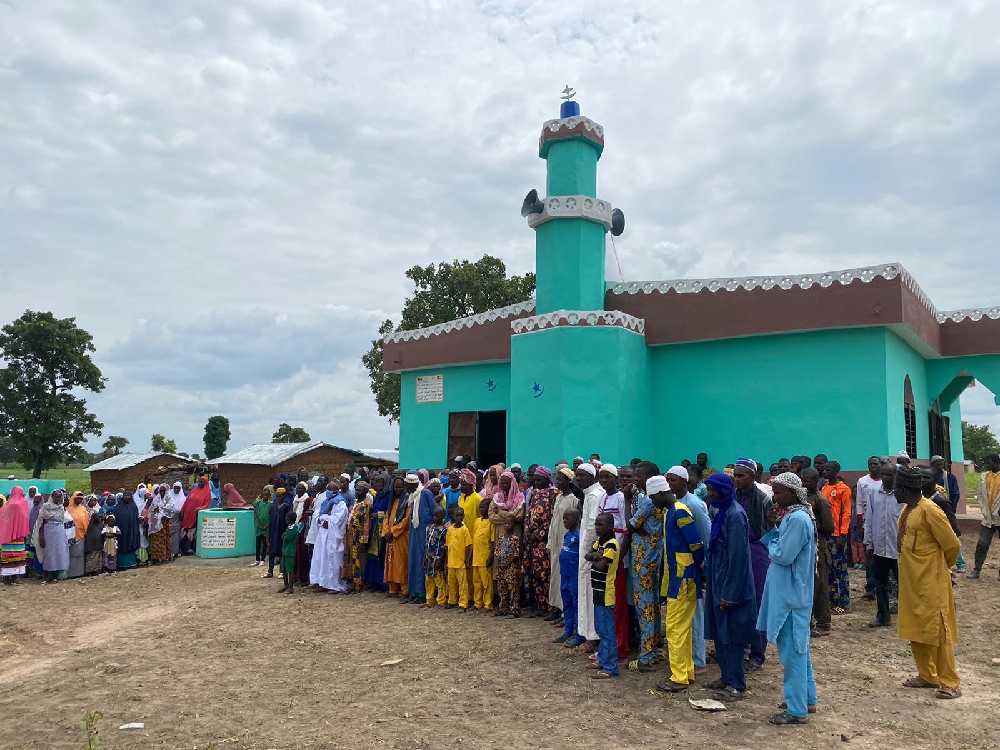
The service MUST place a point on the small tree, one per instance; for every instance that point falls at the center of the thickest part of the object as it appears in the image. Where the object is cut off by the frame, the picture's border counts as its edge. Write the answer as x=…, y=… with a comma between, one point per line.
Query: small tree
x=48, y=360
x=978, y=441
x=288, y=434
x=113, y=445
x=161, y=445
x=216, y=437
x=443, y=293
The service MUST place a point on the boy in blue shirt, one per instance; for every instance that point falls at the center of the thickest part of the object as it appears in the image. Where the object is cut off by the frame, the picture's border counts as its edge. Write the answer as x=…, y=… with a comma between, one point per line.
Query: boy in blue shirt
x=569, y=567
x=604, y=559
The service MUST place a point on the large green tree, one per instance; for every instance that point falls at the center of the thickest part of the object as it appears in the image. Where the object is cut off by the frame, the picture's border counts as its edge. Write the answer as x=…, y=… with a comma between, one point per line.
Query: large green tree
x=443, y=292
x=113, y=445
x=288, y=434
x=216, y=437
x=47, y=360
x=978, y=441
x=161, y=444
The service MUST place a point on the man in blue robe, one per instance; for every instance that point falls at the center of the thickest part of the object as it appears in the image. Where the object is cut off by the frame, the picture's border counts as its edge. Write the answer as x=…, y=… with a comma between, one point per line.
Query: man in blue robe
x=730, y=596
x=786, y=606
x=421, y=517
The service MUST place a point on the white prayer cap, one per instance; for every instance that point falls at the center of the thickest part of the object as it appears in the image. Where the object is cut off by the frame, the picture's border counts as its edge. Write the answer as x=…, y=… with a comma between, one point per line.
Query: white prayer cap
x=458, y=458
x=588, y=468
x=412, y=479
x=514, y=466
x=656, y=484
x=679, y=471
x=610, y=468
x=903, y=454
x=345, y=476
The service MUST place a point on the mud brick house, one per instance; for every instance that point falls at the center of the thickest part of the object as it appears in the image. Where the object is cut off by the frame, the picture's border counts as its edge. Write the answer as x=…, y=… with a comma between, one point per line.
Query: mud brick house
x=253, y=467
x=128, y=470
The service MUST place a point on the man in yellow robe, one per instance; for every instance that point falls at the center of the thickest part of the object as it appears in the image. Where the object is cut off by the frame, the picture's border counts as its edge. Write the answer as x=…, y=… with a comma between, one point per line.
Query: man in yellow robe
x=927, y=548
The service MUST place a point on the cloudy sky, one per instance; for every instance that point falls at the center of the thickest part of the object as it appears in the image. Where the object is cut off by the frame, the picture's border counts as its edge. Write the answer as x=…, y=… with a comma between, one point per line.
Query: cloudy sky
x=227, y=194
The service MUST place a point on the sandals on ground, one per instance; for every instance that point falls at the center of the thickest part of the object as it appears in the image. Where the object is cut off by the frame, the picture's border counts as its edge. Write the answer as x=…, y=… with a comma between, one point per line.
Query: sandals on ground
x=948, y=693
x=786, y=718
x=919, y=682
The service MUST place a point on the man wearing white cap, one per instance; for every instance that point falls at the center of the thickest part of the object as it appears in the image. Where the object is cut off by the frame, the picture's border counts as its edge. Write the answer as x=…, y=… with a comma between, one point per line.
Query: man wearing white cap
x=593, y=493
x=677, y=480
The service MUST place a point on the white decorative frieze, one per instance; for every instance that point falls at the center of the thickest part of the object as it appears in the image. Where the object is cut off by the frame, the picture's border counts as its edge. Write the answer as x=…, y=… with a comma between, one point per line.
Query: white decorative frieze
x=561, y=318
x=454, y=325
x=973, y=313
x=573, y=207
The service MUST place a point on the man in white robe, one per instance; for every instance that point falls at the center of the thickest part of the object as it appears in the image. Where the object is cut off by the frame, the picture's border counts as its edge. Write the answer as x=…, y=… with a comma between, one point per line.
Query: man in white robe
x=328, y=553
x=593, y=494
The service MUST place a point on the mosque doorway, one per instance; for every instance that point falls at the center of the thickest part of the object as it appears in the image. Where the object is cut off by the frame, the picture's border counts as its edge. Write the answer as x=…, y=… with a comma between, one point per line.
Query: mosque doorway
x=480, y=434
x=491, y=438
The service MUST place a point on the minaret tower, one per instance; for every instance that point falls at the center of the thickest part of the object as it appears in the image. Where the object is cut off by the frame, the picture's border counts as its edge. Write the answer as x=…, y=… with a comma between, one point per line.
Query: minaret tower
x=570, y=222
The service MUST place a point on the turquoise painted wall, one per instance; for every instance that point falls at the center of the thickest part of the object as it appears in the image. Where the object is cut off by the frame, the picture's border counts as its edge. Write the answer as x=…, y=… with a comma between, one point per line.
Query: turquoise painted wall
x=902, y=360
x=594, y=394
x=571, y=167
x=957, y=452
x=423, y=428
x=768, y=397
x=569, y=265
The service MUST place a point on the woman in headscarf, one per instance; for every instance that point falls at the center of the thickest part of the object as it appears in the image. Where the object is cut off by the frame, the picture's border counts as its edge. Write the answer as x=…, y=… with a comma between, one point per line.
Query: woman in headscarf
x=141, y=499
x=35, y=501
x=491, y=484
x=730, y=595
x=374, y=573
x=93, y=543
x=507, y=502
x=52, y=537
x=422, y=505
x=396, y=534
x=127, y=521
x=299, y=501
x=159, y=527
x=14, y=532
x=81, y=520
x=198, y=499
x=172, y=506
x=231, y=498
x=537, y=563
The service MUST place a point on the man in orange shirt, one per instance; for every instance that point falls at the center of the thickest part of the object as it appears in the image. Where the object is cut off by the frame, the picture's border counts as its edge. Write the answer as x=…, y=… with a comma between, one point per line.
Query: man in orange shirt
x=839, y=495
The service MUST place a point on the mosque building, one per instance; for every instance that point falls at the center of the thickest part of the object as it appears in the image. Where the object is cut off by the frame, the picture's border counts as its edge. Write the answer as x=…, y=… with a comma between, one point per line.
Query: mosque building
x=848, y=363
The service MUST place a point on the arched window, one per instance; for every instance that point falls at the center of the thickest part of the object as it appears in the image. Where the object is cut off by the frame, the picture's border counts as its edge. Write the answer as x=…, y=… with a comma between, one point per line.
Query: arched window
x=910, y=418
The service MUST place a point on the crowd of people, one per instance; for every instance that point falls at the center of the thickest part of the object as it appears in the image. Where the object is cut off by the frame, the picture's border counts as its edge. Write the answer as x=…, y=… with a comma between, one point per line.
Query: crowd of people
x=632, y=565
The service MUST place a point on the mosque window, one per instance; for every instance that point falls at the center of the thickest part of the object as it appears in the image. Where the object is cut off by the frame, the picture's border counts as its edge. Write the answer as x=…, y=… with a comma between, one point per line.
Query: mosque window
x=910, y=417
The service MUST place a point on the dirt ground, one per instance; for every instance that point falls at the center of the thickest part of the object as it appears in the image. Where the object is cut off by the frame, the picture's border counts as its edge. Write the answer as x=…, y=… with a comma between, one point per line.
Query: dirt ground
x=208, y=655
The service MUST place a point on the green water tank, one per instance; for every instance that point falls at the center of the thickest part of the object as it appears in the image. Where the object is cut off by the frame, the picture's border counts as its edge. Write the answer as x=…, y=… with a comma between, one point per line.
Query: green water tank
x=226, y=533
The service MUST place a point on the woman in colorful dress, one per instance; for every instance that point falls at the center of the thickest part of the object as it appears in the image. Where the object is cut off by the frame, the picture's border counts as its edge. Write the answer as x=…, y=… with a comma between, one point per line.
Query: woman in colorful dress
x=359, y=527
x=537, y=563
x=374, y=573
x=14, y=531
x=52, y=540
x=159, y=527
x=93, y=543
x=396, y=536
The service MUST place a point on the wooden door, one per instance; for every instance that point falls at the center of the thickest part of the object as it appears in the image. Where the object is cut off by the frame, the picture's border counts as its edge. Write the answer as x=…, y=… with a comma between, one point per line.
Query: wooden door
x=462, y=428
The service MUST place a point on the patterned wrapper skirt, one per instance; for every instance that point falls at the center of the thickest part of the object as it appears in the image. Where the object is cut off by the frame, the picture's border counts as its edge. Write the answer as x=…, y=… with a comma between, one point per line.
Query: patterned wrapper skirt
x=92, y=562
x=159, y=543
x=13, y=559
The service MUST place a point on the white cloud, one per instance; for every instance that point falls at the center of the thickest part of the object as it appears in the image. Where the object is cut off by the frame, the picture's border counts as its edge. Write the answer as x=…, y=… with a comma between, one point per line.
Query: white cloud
x=219, y=167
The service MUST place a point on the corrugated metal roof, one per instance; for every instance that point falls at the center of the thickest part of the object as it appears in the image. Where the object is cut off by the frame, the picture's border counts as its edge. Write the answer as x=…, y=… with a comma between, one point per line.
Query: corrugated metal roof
x=128, y=460
x=272, y=454
x=269, y=454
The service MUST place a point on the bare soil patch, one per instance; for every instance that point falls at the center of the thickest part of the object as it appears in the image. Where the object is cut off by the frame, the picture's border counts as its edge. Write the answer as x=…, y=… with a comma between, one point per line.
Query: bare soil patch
x=211, y=654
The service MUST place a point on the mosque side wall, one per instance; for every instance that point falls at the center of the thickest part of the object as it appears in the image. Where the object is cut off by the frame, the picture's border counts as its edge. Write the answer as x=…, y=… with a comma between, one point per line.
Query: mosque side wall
x=423, y=428
x=901, y=360
x=766, y=397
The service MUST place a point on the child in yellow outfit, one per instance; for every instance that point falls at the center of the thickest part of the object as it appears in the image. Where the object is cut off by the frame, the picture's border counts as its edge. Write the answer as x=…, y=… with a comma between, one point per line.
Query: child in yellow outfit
x=482, y=559
x=434, y=562
x=458, y=542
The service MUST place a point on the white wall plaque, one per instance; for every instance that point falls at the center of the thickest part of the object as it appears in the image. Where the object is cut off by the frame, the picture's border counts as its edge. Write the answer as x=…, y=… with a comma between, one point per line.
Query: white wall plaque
x=430, y=388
